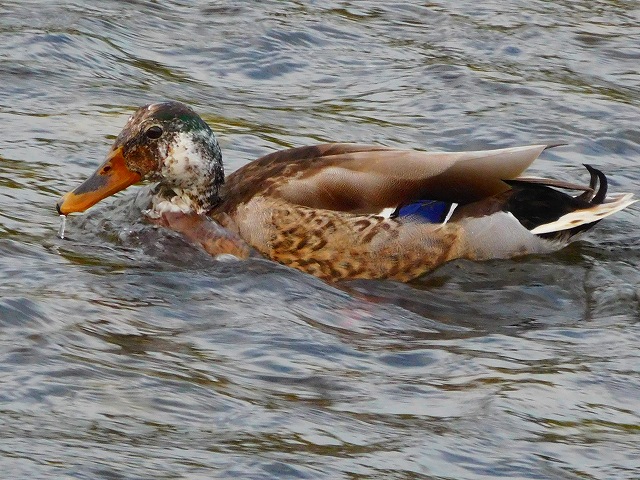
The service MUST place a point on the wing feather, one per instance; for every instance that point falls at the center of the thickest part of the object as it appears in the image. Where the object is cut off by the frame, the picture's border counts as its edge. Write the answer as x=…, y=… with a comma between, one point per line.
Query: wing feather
x=362, y=179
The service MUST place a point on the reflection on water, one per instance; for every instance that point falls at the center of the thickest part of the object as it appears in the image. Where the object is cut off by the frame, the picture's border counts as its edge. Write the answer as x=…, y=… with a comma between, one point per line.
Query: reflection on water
x=125, y=352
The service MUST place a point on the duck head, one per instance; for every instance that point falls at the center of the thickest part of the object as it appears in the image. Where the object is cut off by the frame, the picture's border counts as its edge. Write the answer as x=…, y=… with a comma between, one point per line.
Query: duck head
x=165, y=142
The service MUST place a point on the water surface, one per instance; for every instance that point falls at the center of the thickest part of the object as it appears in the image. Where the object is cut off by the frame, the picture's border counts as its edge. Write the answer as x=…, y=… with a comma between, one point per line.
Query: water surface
x=127, y=353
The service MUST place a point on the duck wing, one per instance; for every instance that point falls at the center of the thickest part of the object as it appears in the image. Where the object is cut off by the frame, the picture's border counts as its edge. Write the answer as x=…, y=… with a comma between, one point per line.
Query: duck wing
x=367, y=179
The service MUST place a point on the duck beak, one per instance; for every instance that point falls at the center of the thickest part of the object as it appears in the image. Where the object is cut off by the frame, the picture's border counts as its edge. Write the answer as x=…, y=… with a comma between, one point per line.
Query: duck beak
x=111, y=177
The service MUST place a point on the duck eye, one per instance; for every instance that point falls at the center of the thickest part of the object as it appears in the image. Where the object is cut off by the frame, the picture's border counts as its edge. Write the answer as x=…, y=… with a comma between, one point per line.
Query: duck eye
x=154, y=132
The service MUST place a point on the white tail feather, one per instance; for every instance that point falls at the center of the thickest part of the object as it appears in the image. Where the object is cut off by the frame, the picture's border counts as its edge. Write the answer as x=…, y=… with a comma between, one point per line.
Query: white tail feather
x=597, y=212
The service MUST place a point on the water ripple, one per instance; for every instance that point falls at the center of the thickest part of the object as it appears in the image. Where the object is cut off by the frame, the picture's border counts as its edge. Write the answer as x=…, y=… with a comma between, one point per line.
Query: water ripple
x=125, y=352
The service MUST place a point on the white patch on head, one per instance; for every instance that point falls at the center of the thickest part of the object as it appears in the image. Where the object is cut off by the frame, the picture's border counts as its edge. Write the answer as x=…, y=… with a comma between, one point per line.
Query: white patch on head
x=186, y=172
x=183, y=161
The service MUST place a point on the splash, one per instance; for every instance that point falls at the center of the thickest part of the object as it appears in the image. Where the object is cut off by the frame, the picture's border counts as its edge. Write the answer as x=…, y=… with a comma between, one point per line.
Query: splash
x=63, y=224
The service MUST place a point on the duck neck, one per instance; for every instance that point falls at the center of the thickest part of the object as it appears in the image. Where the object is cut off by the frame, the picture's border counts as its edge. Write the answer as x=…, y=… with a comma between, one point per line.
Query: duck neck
x=191, y=176
x=173, y=199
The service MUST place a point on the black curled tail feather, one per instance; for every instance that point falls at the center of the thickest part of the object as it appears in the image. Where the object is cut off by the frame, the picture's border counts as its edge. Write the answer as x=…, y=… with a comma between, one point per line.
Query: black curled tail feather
x=535, y=203
x=597, y=179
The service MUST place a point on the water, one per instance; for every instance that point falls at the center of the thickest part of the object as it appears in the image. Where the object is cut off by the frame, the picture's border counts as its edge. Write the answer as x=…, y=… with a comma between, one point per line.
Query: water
x=127, y=353
x=63, y=225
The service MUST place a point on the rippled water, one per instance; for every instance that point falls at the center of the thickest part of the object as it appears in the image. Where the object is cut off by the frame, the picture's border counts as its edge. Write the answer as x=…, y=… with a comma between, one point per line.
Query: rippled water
x=127, y=353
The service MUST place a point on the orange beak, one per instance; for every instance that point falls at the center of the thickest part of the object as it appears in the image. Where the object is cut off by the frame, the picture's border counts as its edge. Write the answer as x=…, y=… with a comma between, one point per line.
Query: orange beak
x=111, y=177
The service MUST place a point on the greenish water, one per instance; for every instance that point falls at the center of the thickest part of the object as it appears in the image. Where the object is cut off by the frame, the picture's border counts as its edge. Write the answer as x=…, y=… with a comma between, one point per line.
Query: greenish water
x=127, y=353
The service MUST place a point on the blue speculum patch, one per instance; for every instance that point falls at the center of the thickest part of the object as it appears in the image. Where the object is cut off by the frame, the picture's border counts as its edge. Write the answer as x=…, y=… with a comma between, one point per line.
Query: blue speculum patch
x=432, y=211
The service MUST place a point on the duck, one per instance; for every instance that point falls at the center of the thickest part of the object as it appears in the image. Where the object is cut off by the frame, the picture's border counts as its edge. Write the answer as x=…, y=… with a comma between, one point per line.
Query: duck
x=343, y=211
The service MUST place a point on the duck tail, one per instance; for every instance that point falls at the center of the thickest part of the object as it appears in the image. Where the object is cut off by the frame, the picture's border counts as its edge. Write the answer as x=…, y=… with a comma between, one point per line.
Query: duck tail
x=555, y=215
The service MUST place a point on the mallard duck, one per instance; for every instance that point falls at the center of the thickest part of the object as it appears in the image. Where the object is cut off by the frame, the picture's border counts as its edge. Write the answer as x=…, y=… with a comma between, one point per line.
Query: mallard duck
x=344, y=211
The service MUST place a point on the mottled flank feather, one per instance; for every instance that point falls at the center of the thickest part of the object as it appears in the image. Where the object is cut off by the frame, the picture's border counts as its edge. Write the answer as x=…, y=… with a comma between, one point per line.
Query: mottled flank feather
x=335, y=246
